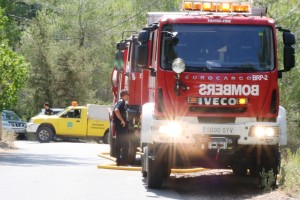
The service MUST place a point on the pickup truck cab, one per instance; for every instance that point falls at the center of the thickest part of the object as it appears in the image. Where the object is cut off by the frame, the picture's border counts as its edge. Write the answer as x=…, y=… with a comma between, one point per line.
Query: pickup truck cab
x=89, y=121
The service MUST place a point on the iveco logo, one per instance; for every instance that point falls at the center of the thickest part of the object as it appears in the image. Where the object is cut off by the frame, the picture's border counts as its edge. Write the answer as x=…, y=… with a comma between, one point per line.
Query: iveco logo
x=218, y=101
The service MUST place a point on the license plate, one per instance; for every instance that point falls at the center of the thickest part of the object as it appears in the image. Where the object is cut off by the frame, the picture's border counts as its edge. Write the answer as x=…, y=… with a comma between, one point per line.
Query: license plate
x=216, y=130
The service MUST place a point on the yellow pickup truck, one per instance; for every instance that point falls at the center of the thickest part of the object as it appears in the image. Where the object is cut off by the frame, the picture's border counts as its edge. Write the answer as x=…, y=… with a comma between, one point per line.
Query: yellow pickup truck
x=89, y=121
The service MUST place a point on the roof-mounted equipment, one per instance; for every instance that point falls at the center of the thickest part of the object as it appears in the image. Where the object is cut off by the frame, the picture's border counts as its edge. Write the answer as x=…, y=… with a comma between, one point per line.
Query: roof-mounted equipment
x=244, y=7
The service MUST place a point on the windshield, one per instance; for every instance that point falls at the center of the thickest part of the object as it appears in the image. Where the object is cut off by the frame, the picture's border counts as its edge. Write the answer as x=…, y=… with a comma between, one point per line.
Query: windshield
x=7, y=116
x=233, y=48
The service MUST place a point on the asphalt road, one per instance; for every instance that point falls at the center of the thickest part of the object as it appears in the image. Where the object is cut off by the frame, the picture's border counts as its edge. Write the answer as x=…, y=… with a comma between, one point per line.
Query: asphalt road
x=68, y=171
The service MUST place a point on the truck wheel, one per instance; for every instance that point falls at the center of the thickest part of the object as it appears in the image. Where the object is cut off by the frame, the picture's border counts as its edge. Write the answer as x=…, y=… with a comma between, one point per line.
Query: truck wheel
x=155, y=173
x=132, y=150
x=239, y=170
x=131, y=154
x=167, y=171
x=239, y=165
x=112, y=144
x=105, y=137
x=44, y=134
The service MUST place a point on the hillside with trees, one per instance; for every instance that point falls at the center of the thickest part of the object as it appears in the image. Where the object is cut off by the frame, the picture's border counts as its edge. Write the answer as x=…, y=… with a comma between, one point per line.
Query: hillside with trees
x=70, y=46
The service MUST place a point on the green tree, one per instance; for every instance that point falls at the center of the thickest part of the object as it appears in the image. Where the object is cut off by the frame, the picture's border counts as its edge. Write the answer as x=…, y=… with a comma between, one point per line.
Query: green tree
x=13, y=71
x=287, y=15
x=18, y=15
x=62, y=56
x=71, y=46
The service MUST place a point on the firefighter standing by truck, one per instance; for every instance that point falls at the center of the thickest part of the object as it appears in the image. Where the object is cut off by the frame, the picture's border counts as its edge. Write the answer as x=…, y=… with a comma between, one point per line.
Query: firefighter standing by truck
x=122, y=136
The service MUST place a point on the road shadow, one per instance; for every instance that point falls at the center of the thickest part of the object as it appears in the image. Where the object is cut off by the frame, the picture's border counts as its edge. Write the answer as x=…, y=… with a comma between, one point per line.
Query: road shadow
x=25, y=159
x=211, y=184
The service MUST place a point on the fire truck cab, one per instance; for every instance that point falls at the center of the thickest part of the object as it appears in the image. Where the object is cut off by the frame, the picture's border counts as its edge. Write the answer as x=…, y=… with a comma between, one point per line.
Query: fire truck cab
x=208, y=89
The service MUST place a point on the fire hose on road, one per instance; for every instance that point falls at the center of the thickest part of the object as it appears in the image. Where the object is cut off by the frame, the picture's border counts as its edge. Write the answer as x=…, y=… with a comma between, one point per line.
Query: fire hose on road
x=137, y=168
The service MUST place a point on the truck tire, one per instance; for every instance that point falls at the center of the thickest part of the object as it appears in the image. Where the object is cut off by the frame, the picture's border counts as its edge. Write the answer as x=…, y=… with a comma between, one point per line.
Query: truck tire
x=105, y=137
x=132, y=153
x=112, y=144
x=155, y=167
x=239, y=167
x=44, y=134
x=132, y=149
x=239, y=170
x=155, y=174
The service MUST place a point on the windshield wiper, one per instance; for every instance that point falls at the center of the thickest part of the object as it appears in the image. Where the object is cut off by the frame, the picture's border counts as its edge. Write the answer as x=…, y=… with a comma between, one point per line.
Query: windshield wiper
x=246, y=67
x=197, y=69
x=240, y=68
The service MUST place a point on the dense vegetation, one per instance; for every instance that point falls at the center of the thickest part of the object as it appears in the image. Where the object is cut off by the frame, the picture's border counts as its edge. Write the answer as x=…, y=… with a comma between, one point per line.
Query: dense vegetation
x=70, y=47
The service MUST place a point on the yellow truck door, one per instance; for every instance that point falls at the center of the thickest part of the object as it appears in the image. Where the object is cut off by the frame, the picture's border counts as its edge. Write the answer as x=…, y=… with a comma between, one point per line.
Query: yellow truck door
x=97, y=127
x=72, y=123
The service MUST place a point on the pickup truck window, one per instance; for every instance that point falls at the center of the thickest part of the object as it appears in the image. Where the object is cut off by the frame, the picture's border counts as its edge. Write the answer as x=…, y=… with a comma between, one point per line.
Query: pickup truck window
x=73, y=113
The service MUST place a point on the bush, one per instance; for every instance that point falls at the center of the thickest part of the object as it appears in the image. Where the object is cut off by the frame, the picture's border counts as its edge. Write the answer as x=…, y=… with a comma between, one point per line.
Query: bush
x=267, y=180
x=290, y=172
x=8, y=139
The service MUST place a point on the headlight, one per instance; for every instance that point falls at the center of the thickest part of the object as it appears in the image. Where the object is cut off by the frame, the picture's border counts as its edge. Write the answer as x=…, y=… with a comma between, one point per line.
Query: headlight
x=264, y=131
x=6, y=124
x=178, y=65
x=172, y=129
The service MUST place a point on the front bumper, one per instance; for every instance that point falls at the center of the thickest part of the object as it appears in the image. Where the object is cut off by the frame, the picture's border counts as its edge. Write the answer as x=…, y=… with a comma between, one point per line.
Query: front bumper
x=32, y=128
x=216, y=134
x=18, y=130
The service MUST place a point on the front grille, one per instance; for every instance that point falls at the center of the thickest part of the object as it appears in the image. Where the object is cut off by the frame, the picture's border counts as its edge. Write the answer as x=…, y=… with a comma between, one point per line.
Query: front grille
x=17, y=125
x=216, y=110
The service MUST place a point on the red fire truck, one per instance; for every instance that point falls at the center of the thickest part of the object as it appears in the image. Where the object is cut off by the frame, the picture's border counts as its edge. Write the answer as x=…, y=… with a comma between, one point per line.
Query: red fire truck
x=126, y=74
x=205, y=81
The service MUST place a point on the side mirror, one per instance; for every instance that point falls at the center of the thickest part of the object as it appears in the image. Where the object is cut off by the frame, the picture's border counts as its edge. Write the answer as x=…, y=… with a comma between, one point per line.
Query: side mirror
x=142, y=56
x=119, y=60
x=288, y=38
x=121, y=46
x=289, y=58
x=289, y=51
x=144, y=36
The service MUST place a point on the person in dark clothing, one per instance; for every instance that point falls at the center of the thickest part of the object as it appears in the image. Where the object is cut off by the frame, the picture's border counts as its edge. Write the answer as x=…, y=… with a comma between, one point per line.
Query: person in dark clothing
x=122, y=143
x=76, y=113
x=48, y=110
